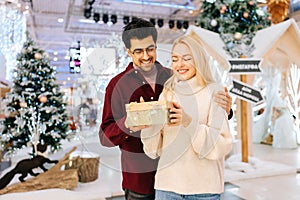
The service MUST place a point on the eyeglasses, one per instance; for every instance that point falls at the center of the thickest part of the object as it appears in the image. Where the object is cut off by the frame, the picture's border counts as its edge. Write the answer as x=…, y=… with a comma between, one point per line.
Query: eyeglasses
x=150, y=50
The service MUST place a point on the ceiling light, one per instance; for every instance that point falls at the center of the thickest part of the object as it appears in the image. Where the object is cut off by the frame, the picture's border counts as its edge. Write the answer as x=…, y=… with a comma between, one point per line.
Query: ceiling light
x=89, y=21
x=96, y=17
x=160, y=4
x=125, y=20
x=171, y=24
x=105, y=18
x=179, y=24
x=113, y=19
x=87, y=12
x=185, y=24
x=160, y=23
x=60, y=20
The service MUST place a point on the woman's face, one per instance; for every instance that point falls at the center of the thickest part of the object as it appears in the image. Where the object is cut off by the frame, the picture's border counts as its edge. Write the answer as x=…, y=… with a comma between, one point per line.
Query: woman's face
x=183, y=63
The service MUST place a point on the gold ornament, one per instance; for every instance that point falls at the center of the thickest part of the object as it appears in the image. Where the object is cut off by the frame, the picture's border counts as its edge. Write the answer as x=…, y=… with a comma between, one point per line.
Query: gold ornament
x=237, y=36
x=278, y=9
x=38, y=56
x=43, y=99
x=23, y=104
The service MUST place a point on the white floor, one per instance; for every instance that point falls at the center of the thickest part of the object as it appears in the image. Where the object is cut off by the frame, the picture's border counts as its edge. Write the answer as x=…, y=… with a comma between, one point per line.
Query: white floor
x=278, y=187
x=274, y=184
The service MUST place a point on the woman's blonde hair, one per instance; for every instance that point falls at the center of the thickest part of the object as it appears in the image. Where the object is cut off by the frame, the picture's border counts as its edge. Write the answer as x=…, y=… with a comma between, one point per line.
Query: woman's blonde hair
x=200, y=57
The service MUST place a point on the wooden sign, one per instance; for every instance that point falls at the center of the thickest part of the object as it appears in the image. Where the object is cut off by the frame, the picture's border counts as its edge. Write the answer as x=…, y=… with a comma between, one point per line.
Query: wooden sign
x=244, y=66
x=246, y=92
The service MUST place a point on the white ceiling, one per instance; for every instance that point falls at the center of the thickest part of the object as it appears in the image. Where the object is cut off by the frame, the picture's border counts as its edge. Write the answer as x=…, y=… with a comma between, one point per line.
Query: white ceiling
x=52, y=36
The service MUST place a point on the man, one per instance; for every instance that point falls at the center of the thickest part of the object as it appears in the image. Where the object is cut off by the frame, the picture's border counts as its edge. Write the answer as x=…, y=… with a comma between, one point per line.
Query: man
x=143, y=77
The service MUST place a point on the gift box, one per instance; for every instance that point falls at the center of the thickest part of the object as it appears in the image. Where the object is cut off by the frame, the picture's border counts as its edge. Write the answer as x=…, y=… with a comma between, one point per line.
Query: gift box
x=146, y=113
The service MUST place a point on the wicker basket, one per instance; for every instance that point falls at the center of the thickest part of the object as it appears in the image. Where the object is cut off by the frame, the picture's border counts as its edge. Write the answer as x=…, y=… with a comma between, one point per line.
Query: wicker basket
x=87, y=165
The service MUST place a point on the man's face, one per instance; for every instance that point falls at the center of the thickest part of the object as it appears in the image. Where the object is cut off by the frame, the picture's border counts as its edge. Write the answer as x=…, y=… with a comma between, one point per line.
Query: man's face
x=143, y=52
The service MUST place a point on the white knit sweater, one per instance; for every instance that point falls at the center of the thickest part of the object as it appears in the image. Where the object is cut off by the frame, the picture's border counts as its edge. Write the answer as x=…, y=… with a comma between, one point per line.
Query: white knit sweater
x=191, y=157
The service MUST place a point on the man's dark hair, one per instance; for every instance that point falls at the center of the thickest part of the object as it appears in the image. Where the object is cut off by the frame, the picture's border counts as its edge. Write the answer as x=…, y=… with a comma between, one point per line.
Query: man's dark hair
x=138, y=29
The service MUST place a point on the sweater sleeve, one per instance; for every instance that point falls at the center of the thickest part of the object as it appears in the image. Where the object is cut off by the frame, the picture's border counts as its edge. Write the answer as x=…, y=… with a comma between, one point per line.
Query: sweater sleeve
x=112, y=129
x=152, y=140
x=213, y=140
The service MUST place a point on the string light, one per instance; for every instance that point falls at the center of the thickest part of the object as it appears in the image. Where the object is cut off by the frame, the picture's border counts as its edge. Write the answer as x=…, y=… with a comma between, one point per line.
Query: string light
x=111, y=19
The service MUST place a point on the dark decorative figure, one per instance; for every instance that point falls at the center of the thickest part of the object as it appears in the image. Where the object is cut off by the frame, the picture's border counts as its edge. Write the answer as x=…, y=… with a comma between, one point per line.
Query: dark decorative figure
x=25, y=167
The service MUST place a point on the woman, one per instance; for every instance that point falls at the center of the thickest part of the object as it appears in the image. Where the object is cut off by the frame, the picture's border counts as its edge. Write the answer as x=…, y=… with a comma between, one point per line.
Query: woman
x=191, y=164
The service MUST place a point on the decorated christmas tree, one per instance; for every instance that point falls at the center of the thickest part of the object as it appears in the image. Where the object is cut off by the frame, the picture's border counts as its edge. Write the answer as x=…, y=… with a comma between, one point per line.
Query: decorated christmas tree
x=236, y=21
x=35, y=109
